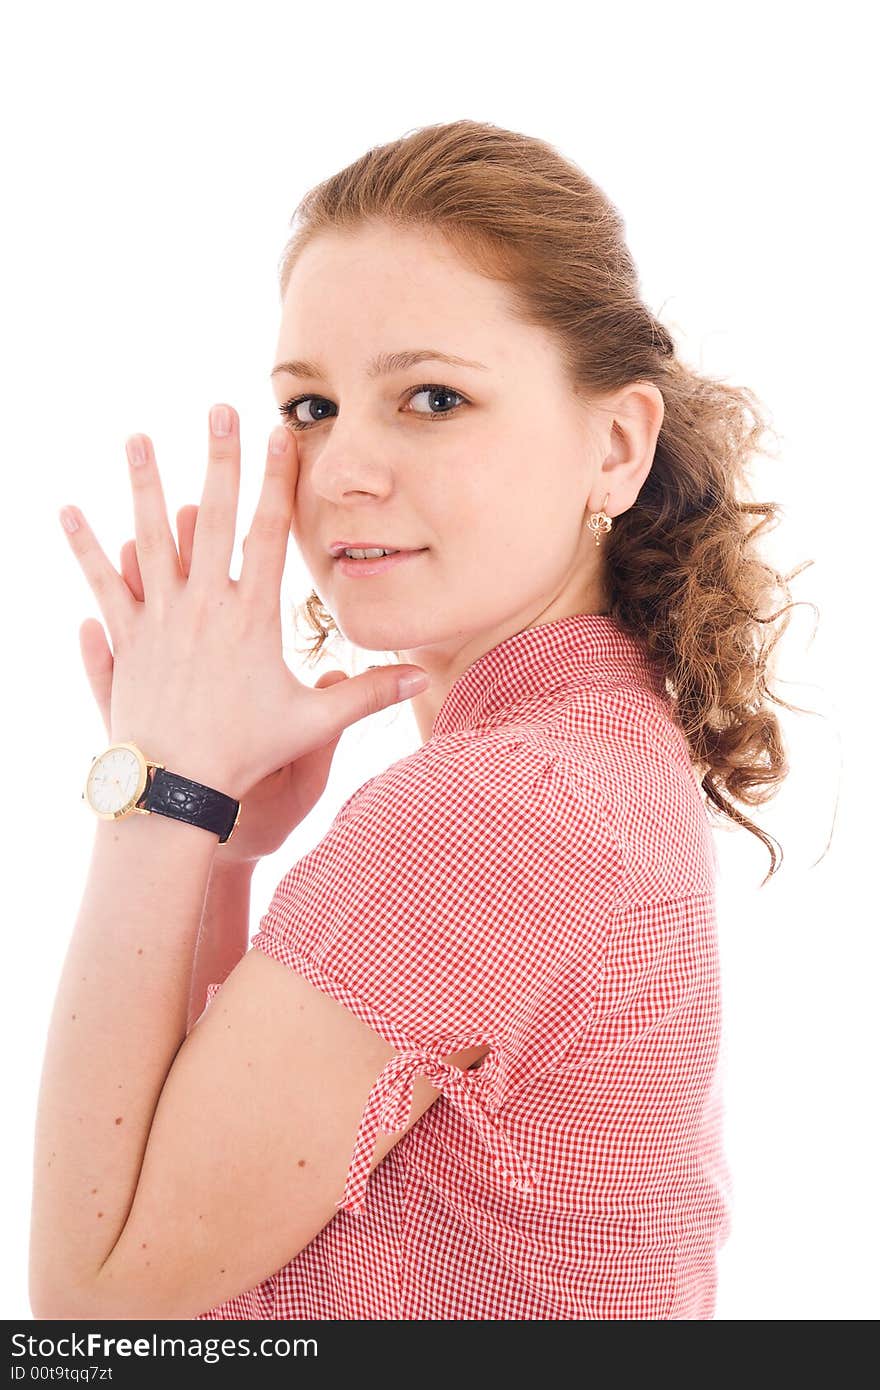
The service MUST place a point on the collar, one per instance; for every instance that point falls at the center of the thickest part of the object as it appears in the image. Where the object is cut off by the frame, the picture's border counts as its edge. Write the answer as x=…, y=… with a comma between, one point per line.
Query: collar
x=584, y=648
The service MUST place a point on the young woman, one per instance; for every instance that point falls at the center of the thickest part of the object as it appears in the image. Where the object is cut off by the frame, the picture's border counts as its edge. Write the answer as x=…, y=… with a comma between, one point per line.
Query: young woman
x=469, y=1068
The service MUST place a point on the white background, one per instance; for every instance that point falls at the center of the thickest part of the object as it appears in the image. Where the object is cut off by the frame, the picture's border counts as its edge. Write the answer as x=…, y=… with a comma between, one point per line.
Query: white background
x=152, y=159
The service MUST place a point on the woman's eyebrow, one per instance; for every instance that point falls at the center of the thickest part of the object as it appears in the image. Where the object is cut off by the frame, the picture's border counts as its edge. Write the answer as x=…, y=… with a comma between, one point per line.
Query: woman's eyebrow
x=383, y=365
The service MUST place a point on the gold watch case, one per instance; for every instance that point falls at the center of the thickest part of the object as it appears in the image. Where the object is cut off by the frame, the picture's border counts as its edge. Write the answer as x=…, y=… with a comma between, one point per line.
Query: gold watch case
x=129, y=805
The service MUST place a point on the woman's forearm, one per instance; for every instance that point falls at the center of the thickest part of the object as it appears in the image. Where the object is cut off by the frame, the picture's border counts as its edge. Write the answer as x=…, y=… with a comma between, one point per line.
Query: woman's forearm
x=223, y=937
x=118, y=1020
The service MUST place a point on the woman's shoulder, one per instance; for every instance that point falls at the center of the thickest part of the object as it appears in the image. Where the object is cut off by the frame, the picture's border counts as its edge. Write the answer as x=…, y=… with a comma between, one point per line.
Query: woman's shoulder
x=620, y=742
x=598, y=745
x=468, y=769
x=603, y=762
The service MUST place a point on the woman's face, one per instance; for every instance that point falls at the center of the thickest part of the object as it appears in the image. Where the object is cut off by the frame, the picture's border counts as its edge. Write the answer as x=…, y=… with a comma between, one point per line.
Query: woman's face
x=490, y=475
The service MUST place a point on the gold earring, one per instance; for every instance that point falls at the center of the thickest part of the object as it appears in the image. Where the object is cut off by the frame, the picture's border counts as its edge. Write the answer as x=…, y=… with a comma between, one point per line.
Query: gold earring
x=599, y=522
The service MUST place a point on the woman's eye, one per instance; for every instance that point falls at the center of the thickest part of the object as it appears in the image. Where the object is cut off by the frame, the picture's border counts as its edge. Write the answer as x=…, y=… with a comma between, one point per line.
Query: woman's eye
x=433, y=392
x=290, y=410
x=305, y=411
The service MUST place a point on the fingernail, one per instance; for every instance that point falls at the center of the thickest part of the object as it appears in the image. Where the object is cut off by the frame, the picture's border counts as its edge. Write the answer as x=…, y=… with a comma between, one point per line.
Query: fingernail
x=137, y=453
x=68, y=520
x=411, y=685
x=221, y=420
x=278, y=440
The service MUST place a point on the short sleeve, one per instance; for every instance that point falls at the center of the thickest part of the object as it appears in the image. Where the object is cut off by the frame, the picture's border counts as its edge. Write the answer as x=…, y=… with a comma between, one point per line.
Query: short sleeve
x=463, y=896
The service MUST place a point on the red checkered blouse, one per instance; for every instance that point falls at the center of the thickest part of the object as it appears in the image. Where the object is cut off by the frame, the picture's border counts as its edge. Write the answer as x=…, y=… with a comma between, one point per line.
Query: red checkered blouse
x=538, y=876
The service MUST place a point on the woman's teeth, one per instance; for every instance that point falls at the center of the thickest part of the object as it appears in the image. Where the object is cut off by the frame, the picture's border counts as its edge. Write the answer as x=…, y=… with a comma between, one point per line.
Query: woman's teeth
x=367, y=554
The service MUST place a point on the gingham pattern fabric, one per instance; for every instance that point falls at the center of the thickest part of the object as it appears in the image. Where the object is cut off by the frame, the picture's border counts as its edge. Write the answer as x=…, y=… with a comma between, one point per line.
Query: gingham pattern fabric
x=538, y=876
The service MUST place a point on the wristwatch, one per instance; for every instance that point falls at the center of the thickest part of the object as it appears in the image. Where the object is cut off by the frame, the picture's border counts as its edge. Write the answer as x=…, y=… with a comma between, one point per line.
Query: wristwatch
x=122, y=780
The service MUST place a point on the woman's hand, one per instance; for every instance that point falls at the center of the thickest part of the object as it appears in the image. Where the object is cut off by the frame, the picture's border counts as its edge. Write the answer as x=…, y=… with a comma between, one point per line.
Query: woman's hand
x=198, y=680
x=273, y=808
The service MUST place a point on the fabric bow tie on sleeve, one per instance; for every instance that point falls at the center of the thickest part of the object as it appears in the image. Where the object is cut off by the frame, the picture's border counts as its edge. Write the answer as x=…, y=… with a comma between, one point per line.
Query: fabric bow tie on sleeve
x=389, y=1106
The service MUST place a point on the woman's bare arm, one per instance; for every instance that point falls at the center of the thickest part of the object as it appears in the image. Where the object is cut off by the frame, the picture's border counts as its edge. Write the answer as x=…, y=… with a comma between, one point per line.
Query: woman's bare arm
x=224, y=931
x=118, y=1021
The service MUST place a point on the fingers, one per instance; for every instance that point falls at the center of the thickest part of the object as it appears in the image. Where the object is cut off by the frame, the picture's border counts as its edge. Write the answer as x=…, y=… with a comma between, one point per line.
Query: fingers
x=157, y=553
x=215, y=524
x=323, y=683
x=98, y=661
x=345, y=702
x=186, y=526
x=109, y=588
x=128, y=560
x=330, y=678
x=131, y=570
x=265, y=554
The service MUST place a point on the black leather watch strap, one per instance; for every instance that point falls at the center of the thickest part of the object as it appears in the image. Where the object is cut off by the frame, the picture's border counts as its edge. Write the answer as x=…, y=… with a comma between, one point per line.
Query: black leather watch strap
x=170, y=794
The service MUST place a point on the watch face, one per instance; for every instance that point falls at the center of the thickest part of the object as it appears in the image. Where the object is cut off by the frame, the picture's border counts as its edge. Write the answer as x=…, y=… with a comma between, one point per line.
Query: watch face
x=114, y=780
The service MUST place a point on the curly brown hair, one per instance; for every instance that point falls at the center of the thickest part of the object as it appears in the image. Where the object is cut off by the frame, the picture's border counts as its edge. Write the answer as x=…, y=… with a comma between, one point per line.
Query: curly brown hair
x=683, y=570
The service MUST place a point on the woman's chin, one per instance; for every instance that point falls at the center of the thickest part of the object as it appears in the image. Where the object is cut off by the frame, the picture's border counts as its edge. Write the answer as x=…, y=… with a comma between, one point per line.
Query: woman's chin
x=377, y=632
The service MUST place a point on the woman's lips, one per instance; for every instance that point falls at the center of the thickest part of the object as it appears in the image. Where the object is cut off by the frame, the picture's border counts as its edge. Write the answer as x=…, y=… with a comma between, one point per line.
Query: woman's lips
x=362, y=569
